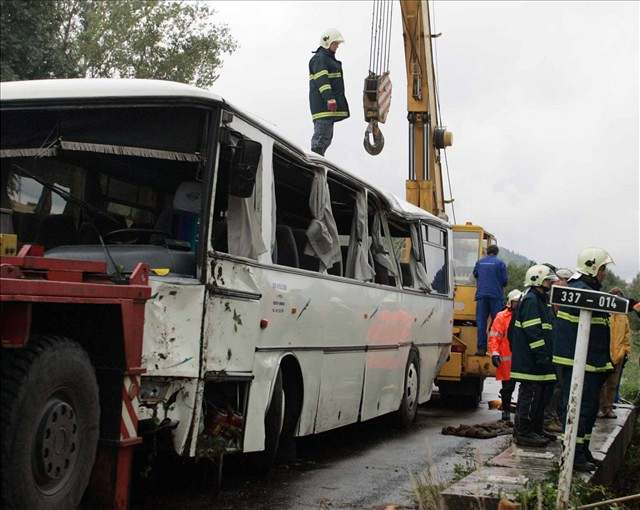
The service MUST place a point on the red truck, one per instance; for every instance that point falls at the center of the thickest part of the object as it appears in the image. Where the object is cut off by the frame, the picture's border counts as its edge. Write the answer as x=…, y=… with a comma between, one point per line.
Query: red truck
x=71, y=365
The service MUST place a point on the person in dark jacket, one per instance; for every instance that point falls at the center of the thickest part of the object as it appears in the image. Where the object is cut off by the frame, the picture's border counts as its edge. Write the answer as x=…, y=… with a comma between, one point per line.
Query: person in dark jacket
x=491, y=277
x=531, y=348
x=592, y=266
x=327, y=101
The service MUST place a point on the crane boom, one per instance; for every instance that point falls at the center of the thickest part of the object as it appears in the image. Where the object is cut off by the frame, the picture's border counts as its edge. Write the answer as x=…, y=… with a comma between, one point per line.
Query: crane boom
x=424, y=186
x=462, y=376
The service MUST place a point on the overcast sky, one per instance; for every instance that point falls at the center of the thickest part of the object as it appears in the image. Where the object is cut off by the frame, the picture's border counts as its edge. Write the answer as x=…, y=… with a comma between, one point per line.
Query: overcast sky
x=542, y=99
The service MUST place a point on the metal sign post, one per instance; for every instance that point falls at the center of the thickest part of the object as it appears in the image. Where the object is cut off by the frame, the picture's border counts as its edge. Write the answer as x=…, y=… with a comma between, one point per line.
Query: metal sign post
x=586, y=301
x=573, y=409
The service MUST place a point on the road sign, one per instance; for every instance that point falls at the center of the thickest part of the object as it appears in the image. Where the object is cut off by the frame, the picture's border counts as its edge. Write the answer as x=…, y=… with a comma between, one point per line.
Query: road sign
x=588, y=300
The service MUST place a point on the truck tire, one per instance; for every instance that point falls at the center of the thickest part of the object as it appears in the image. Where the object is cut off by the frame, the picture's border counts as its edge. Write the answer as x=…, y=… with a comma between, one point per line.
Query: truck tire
x=50, y=424
x=466, y=393
x=408, y=410
x=262, y=462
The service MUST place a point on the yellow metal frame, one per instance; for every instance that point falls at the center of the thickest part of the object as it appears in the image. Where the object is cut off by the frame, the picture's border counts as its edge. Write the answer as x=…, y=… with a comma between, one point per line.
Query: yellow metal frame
x=424, y=188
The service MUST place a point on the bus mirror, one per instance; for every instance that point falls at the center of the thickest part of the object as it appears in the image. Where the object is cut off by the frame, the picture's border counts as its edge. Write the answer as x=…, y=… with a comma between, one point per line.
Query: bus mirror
x=244, y=166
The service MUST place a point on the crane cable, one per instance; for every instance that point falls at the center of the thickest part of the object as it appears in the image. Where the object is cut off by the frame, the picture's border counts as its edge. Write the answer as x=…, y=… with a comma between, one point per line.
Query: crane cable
x=438, y=114
x=380, y=42
x=377, y=89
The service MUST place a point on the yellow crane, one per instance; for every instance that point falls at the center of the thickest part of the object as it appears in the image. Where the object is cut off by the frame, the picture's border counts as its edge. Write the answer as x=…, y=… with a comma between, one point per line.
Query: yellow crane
x=463, y=374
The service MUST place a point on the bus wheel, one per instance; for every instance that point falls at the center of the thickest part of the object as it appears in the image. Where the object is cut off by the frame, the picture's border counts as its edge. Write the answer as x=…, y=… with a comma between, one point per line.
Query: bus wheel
x=261, y=462
x=50, y=424
x=409, y=405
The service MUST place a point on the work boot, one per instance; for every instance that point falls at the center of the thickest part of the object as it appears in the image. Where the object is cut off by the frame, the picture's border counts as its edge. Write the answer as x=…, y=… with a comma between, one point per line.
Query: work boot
x=548, y=435
x=530, y=439
x=506, y=416
x=543, y=437
x=590, y=458
x=583, y=466
x=581, y=459
x=553, y=426
x=481, y=352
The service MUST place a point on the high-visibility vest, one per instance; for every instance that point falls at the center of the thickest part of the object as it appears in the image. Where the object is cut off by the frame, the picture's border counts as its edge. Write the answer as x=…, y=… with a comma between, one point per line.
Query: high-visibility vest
x=499, y=344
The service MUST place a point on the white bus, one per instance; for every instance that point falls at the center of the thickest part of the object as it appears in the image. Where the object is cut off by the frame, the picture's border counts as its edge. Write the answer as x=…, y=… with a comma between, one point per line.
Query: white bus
x=289, y=296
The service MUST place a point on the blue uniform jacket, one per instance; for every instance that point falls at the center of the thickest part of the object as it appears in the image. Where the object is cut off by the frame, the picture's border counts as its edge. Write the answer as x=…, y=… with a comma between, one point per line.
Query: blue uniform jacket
x=491, y=275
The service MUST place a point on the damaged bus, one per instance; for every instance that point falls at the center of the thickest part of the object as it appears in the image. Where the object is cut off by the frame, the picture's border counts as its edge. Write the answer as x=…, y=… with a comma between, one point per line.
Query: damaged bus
x=289, y=296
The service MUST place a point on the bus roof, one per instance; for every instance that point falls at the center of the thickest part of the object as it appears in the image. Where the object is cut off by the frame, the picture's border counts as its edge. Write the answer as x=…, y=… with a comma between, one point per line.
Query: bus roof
x=110, y=88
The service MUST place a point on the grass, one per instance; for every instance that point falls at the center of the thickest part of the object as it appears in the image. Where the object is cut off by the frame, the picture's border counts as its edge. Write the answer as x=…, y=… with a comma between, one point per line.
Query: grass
x=428, y=485
x=630, y=384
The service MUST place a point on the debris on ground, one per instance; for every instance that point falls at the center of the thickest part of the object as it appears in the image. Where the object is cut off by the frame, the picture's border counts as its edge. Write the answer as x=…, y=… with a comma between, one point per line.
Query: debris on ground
x=480, y=430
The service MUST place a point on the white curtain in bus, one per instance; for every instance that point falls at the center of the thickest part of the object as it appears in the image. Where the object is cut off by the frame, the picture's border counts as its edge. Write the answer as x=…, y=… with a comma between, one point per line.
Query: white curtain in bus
x=322, y=232
x=358, y=266
x=380, y=246
x=417, y=267
x=243, y=230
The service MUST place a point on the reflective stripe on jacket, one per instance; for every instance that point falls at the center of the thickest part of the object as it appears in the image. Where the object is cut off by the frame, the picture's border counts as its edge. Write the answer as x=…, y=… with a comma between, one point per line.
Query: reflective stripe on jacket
x=499, y=344
x=326, y=82
x=531, y=344
x=566, y=331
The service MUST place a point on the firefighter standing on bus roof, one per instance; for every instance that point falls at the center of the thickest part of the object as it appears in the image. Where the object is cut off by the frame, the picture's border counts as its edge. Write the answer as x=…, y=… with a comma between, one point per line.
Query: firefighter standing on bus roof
x=326, y=91
x=532, y=348
x=500, y=349
x=591, y=270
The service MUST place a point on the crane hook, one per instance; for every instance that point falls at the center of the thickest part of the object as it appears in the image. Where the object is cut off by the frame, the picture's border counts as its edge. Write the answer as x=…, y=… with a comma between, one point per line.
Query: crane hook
x=376, y=147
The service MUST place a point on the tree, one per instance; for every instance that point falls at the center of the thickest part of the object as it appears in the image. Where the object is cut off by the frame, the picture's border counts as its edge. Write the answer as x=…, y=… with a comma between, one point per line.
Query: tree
x=516, y=274
x=177, y=41
x=28, y=41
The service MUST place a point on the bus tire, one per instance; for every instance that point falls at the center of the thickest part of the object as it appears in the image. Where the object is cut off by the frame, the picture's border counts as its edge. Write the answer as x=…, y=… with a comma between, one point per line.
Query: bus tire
x=50, y=424
x=408, y=410
x=262, y=462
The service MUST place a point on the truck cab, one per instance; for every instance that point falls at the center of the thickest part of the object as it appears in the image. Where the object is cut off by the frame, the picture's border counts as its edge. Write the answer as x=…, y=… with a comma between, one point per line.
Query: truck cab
x=464, y=372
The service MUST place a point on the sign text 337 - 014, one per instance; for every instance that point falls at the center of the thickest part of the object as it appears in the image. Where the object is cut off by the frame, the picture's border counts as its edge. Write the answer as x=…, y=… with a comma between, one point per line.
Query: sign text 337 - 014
x=588, y=300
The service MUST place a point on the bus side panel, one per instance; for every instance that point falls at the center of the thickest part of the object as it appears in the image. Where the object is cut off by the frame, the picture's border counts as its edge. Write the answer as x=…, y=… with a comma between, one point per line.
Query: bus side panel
x=264, y=374
x=309, y=363
x=340, y=389
x=171, y=351
x=172, y=328
x=434, y=325
x=390, y=326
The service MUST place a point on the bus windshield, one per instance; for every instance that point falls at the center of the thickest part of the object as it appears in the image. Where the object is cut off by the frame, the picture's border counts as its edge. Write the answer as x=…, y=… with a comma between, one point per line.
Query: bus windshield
x=466, y=246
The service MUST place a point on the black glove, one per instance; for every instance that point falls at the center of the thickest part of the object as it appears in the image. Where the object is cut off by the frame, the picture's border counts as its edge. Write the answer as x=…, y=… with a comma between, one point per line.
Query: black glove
x=496, y=361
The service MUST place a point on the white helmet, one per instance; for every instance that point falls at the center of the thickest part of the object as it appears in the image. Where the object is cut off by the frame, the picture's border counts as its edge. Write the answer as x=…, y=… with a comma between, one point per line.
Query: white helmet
x=514, y=295
x=563, y=273
x=329, y=36
x=537, y=274
x=591, y=260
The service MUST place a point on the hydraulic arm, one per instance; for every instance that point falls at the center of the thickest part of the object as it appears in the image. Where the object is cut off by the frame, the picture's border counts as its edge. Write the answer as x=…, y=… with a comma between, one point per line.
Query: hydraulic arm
x=424, y=186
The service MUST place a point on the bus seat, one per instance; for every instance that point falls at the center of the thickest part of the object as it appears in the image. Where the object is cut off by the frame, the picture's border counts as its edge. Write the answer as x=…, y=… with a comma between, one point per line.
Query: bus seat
x=25, y=225
x=306, y=261
x=287, y=249
x=56, y=230
x=220, y=242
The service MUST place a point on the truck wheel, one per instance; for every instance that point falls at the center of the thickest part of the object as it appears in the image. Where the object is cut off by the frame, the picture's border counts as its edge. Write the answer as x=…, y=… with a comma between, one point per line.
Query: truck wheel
x=50, y=423
x=406, y=415
x=261, y=462
x=466, y=393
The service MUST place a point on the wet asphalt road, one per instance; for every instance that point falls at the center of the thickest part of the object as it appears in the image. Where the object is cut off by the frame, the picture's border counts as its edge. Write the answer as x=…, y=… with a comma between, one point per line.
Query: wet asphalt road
x=362, y=466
